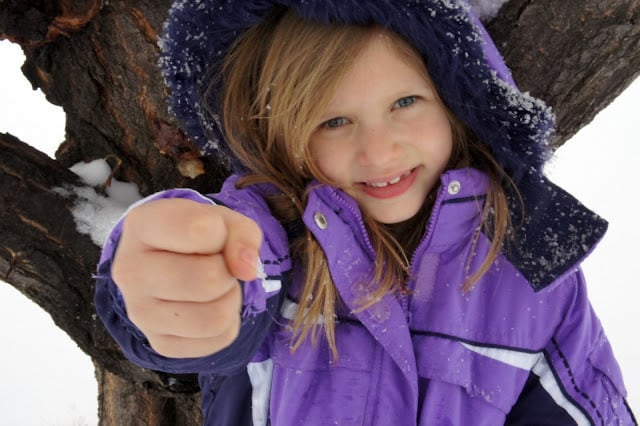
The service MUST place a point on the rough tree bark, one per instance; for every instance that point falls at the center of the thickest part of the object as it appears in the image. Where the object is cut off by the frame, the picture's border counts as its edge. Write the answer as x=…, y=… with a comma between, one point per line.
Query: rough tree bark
x=97, y=60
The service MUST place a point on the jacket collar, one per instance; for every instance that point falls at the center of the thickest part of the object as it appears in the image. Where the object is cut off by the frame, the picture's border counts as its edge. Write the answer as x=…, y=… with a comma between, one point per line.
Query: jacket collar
x=555, y=233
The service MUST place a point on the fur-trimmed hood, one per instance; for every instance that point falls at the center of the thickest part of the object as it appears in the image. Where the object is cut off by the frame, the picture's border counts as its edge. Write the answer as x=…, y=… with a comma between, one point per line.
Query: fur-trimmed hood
x=555, y=231
x=464, y=63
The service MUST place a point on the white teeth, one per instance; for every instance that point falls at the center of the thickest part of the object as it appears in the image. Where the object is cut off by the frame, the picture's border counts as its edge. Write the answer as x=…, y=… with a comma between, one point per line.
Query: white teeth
x=391, y=182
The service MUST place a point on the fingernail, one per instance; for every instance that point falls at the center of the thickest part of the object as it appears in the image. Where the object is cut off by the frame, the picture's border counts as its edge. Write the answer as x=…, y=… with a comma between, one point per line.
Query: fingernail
x=249, y=256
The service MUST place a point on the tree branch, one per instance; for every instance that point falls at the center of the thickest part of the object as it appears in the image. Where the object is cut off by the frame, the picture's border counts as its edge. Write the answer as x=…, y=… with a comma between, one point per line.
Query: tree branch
x=43, y=255
x=578, y=55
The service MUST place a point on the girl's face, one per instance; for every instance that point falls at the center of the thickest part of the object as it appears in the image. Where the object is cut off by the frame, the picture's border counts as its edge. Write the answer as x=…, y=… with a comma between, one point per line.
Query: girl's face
x=385, y=137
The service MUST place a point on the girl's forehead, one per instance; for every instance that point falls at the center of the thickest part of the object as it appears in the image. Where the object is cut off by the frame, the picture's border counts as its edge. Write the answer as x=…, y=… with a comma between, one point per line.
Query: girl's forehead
x=384, y=41
x=382, y=50
x=379, y=74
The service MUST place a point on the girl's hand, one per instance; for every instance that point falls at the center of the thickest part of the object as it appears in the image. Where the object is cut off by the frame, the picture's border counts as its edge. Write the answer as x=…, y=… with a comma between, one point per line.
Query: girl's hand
x=177, y=266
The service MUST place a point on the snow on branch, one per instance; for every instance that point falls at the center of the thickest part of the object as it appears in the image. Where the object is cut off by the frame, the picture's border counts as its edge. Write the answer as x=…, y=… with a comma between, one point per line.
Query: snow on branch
x=96, y=214
x=487, y=9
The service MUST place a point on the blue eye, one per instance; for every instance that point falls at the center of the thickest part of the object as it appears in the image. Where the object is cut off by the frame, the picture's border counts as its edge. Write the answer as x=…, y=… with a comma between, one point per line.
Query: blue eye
x=334, y=123
x=405, y=102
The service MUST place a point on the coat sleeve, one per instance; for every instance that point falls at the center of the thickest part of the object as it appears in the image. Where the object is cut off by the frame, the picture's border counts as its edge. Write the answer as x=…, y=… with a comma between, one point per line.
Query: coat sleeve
x=578, y=380
x=261, y=297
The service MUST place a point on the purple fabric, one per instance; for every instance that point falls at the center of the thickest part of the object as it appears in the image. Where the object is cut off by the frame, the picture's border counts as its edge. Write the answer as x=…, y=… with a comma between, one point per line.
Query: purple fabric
x=441, y=356
x=502, y=315
x=493, y=56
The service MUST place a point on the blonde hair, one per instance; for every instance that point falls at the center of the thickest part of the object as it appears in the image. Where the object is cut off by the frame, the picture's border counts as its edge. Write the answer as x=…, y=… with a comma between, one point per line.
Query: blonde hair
x=277, y=79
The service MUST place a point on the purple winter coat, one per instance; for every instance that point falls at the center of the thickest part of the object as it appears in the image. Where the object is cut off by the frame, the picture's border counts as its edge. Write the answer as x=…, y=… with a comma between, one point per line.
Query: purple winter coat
x=522, y=347
x=502, y=353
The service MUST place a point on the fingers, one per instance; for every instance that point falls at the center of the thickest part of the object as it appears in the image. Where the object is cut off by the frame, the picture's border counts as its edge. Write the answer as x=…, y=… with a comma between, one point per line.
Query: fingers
x=188, y=320
x=180, y=347
x=188, y=330
x=174, y=277
x=242, y=246
x=183, y=226
x=176, y=225
x=177, y=266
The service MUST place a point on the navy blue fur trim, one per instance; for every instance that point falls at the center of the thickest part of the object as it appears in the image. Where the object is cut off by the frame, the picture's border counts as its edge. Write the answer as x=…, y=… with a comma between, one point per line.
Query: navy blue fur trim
x=514, y=125
x=556, y=233
x=466, y=68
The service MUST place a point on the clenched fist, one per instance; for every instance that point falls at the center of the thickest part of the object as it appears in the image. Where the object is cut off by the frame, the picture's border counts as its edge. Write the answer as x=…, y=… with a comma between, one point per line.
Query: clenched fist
x=177, y=266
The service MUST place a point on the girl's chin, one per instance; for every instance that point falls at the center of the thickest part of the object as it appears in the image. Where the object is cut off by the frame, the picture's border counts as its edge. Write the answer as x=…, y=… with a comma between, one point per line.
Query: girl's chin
x=389, y=217
x=392, y=213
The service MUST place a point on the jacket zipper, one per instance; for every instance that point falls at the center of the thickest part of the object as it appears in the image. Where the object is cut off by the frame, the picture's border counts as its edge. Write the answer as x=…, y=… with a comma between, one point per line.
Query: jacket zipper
x=405, y=300
x=357, y=218
x=426, y=239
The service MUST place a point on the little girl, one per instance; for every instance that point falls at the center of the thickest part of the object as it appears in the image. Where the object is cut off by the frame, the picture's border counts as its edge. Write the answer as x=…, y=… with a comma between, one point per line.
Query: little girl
x=388, y=251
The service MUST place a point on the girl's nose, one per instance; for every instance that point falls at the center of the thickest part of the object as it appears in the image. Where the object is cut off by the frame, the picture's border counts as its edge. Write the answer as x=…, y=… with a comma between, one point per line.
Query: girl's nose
x=377, y=144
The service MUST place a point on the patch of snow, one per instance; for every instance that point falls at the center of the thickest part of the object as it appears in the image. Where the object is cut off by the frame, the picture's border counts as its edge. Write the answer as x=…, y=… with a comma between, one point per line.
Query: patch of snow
x=96, y=214
x=487, y=9
x=94, y=173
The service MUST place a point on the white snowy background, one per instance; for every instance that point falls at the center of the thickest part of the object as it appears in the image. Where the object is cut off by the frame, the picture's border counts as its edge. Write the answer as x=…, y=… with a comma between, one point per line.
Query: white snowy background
x=46, y=380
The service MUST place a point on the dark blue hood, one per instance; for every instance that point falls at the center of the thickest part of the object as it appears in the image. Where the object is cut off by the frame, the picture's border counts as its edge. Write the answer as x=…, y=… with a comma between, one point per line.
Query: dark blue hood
x=553, y=233
x=465, y=65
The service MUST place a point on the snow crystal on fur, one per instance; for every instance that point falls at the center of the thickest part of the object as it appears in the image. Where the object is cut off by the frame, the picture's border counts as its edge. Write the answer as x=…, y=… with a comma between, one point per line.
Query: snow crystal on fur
x=462, y=60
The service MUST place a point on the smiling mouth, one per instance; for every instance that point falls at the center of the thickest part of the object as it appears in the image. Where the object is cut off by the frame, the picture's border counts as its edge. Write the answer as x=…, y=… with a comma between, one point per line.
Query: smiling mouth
x=391, y=188
x=388, y=183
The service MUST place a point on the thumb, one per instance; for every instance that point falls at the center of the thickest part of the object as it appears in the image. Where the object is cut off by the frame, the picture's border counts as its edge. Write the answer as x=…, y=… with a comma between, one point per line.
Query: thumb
x=241, y=251
x=245, y=265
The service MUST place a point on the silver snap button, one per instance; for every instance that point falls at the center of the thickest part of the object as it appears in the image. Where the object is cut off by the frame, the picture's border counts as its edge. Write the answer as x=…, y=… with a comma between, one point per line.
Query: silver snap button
x=321, y=221
x=454, y=187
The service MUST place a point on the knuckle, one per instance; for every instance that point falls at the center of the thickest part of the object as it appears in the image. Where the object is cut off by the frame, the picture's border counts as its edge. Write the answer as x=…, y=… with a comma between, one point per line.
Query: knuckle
x=216, y=275
x=212, y=320
x=121, y=270
x=227, y=338
x=257, y=231
x=135, y=220
x=202, y=225
x=220, y=318
x=231, y=300
x=137, y=314
x=242, y=226
x=251, y=230
x=129, y=276
x=132, y=219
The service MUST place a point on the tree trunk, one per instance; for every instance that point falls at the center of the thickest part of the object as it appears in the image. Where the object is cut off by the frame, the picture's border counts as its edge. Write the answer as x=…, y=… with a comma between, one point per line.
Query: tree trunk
x=577, y=55
x=120, y=398
x=44, y=256
x=98, y=61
